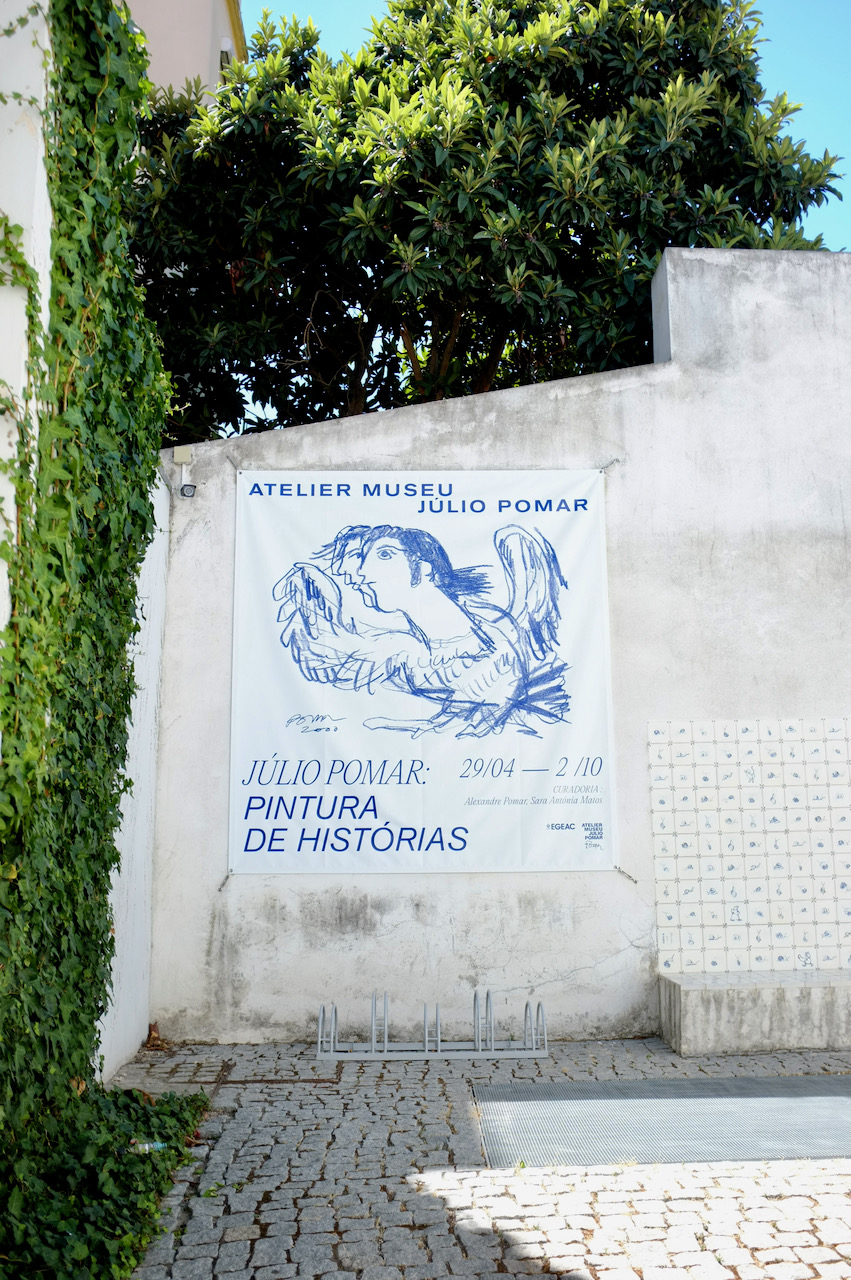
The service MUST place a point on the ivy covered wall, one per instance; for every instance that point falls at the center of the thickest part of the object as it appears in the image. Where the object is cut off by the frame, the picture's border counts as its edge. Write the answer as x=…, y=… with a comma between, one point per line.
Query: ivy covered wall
x=88, y=425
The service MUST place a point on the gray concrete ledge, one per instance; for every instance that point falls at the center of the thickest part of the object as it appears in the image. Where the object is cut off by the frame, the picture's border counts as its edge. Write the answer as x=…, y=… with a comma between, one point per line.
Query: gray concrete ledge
x=755, y=1013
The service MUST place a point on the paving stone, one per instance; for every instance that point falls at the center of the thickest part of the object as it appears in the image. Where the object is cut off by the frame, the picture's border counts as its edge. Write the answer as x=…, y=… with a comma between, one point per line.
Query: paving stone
x=681, y=1242
x=202, y=1233
x=161, y=1251
x=570, y=1251
x=561, y=1235
x=756, y=1237
x=665, y=1273
x=531, y=1250
x=484, y=1249
x=833, y=1231
x=231, y=1220
x=400, y=1253
x=734, y=1257
x=447, y=1256
x=788, y=1271
x=350, y=1223
x=270, y=1252
x=357, y=1254
x=312, y=1259
x=698, y=1258
x=233, y=1256
x=248, y=1231
x=327, y=1168
x=648, y=1255
x=192, y=1269
x=282, y=1235
x=440, y=1238
x=313, y=1220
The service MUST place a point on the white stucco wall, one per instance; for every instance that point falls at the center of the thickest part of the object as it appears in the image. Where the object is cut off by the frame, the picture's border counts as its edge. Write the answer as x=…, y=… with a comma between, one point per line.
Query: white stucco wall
x=728, y=557
x=24, y=201
x=186, y=39
x=125, y=1024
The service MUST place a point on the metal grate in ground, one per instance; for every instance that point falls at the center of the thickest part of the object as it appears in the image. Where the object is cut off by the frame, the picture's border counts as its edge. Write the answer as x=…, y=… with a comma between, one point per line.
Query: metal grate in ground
x=665, y=1121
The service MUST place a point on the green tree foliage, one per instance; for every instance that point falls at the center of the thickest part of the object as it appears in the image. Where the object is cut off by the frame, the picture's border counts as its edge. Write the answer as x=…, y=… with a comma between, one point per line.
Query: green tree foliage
x=477, y=199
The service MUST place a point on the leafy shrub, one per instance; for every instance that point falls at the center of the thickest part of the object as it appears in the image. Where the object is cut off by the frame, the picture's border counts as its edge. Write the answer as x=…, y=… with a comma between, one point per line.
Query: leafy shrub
x=84, y=1204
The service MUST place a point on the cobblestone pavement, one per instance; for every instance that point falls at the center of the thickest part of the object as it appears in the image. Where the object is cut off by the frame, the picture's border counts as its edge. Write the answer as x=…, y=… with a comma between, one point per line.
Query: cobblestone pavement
x=375, y=1171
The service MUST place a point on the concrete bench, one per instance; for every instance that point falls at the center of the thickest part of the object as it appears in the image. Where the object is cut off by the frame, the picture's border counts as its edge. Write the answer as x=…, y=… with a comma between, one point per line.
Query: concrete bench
x=711, y=1013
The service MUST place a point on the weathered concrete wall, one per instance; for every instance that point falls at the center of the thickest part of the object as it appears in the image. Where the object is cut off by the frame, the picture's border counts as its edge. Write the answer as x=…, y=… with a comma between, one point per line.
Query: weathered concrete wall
x=728, y=553
x=125, y=1024
x=755, y=1013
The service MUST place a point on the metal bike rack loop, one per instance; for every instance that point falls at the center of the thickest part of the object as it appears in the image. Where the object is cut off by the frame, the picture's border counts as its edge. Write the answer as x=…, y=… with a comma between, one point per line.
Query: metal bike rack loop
x=484, y=1043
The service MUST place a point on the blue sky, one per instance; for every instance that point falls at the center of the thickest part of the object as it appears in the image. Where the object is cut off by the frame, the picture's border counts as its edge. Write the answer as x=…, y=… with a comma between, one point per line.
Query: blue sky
x=805, y=55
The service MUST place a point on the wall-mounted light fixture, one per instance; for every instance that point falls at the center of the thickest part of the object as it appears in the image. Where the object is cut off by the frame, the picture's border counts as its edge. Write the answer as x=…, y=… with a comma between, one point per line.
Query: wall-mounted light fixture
x=182, y=453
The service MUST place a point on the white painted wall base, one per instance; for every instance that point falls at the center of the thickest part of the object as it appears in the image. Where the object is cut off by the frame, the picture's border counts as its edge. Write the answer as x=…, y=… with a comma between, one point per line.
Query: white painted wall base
x=125, y=1024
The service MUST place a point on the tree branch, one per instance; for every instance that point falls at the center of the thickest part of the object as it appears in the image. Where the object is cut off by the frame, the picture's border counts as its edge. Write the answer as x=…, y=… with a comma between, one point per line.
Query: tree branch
x=489, y=369
x=412, y=356
x=448, y=350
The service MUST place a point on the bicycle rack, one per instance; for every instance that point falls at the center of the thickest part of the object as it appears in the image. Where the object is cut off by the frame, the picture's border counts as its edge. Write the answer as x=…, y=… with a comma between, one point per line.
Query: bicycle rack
x=484, y=1043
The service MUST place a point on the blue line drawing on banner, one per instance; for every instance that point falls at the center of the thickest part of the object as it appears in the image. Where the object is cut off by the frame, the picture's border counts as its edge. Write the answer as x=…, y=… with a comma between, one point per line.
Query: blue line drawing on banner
x=382, y=605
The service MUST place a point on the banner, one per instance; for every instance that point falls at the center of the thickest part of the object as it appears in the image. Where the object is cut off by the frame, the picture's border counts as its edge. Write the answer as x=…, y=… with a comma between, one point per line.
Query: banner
x=420, y=673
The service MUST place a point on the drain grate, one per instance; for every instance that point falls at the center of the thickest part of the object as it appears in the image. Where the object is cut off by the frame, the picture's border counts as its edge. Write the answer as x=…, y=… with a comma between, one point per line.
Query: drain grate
x=666, y=1121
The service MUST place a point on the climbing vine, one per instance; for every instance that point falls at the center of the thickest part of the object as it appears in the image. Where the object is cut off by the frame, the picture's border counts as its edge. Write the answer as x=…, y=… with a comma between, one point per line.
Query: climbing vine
x=73, y=1202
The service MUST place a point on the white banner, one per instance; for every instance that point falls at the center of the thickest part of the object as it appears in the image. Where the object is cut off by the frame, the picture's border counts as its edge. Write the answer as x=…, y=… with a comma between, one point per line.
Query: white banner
x=420, y=673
